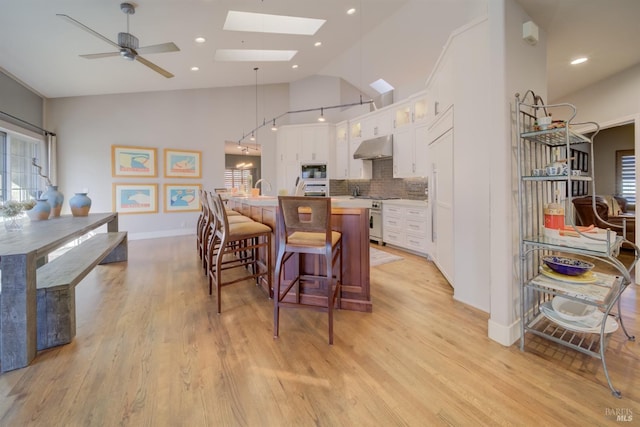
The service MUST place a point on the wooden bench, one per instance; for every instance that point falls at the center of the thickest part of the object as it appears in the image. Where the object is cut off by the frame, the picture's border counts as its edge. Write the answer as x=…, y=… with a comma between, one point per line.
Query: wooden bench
x=56, y=281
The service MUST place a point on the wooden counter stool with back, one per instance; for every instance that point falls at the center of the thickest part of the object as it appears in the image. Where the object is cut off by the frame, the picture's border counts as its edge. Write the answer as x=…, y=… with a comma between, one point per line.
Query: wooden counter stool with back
x=241, y=238
x=304, y=228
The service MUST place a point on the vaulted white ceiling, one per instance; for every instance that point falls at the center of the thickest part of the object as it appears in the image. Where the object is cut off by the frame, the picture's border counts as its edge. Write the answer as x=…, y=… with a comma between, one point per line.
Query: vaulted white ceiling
x=398, y=40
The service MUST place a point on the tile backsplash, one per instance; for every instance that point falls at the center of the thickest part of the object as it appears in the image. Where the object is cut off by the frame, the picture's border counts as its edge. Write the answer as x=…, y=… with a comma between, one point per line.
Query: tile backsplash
x=382, y=184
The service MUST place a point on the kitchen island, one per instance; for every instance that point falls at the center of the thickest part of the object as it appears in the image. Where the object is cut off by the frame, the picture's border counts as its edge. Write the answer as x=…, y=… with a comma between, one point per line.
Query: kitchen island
x=348, y=216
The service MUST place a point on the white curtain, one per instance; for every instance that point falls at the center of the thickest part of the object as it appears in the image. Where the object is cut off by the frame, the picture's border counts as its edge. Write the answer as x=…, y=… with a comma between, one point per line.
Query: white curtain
x=52, y=157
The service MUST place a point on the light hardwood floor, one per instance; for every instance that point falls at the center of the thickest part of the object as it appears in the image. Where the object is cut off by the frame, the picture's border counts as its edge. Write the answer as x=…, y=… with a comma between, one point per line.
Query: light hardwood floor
x=150, y=350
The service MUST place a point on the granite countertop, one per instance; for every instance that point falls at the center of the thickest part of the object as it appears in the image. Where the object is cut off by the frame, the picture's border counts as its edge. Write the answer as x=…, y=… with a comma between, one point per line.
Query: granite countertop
x=336, y=202
x=405, y=202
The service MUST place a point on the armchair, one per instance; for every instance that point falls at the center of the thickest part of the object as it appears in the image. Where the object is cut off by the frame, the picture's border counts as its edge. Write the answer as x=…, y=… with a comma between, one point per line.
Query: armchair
x=586, y=216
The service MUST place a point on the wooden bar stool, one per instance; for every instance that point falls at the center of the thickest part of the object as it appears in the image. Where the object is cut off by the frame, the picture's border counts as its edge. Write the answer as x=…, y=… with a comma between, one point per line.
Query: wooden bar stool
x=205, y=225
x=210, y=244
x=241, y=239
x=304, y=228
x=200, y=227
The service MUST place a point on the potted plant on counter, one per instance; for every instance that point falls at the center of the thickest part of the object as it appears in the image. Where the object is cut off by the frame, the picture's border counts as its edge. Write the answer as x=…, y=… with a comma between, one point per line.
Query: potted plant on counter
x=13, y=212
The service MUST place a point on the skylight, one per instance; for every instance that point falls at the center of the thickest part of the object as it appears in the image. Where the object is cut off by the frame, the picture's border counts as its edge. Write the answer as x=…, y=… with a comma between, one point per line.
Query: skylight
x=254, y=55
x=381, y=86
x=279, y=24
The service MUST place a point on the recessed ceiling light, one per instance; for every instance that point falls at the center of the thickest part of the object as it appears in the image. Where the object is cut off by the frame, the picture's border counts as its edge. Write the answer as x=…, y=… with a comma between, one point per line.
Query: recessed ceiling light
x=316, y=44
x=279, y=24
x=351, y=11
x=381, y=86
x=200, y=40
x=579, y=60
x=294, y=66
x=195, y=68
x=254, y=55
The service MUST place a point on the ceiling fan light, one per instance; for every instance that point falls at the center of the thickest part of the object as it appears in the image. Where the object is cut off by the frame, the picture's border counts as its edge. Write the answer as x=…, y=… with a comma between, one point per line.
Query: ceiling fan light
x=127, y=54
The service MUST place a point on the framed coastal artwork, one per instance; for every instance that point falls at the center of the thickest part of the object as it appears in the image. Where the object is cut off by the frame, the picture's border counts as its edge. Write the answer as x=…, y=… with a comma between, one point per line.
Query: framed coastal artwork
x=182, y=163
x=135, y=198
x=139, y=162
x=182, y=197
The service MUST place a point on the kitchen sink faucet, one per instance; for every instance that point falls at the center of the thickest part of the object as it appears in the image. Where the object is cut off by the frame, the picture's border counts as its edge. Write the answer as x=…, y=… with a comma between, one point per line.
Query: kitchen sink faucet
x=356, y=191
x=261, y=181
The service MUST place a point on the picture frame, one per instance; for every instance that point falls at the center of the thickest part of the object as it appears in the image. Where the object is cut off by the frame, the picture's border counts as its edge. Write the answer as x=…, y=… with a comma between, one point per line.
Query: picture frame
x=182, y=163
x=139, y=198
x=182, y=197
x=133, y=162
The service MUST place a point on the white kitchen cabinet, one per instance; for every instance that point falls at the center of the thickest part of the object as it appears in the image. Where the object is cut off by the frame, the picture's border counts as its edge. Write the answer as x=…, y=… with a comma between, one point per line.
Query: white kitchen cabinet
x=420, y=107
x=410, y=151
x=405, y=225
x=287, y=156
x=392, y=232
x=314, y=142
x=441, y=196
x=402, y=115
x=298, y=144
x=421, y=149
x=410, y=157
x=440, y=89
x=339, y=168
x=415, y=226
x=378, y=123
x=358, y=169
x=403, y=152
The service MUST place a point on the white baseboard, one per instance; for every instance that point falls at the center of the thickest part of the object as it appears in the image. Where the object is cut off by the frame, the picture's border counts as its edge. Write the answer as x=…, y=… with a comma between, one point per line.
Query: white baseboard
x=163, y=233
x=504, y=334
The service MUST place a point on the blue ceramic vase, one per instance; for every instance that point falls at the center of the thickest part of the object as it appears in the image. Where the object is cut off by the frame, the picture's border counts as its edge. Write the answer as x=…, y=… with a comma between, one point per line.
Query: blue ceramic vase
x=80, y=204
x=40, y=211
x=55, y=199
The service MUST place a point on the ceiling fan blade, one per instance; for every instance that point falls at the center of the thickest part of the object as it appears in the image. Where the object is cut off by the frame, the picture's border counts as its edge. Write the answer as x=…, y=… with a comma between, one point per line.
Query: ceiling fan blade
x=100, y=55
x=154, y=67
x=158, y=48
x=88, y=30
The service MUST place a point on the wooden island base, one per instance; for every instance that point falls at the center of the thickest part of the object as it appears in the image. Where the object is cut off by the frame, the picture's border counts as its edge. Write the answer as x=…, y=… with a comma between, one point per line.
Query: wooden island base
x=352, y=222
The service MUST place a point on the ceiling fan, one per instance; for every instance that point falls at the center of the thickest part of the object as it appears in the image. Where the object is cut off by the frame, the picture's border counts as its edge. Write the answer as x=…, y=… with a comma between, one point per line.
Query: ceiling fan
x=127, y=43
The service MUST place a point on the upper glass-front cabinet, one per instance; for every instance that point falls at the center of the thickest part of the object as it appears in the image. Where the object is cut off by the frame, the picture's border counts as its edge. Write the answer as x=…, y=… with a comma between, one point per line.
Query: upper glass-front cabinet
x=413, y=111
x=420, y=108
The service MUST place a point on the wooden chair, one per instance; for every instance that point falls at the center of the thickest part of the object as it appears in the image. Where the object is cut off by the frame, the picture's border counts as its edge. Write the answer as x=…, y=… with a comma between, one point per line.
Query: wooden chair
x=304, y=228
x=203, y=227
x=209, y=248
x=239, y=240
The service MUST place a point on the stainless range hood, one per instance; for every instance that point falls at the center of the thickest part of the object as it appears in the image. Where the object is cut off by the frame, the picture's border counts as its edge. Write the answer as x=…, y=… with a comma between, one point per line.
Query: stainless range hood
x=376, y=148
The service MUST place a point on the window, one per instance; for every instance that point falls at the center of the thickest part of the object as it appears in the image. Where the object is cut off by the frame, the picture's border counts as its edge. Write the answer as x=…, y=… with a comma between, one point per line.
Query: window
x=626, y=175
x=19, y=180
x=237, y=178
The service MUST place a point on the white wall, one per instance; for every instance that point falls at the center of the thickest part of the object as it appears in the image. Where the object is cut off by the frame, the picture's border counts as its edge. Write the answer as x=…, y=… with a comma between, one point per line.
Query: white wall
x=516, y=67
x=20, y=102
x=605, y=145
x=608, y=100
x=191, y=119
x=418, y=32
x=313, y=92
x=472, y=134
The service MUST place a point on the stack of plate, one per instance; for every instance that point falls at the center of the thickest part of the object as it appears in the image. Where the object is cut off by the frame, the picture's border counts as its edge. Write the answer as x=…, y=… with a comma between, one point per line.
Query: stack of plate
x=577, y=316
x=585, y=278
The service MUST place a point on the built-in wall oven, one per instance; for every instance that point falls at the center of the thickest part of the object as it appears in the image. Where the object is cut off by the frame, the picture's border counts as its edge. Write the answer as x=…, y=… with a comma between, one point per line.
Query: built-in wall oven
x=314, y=177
